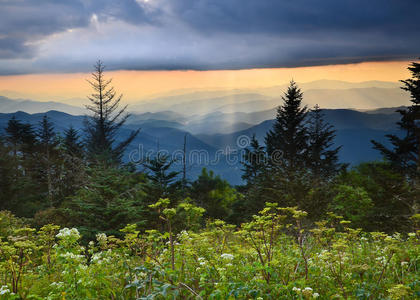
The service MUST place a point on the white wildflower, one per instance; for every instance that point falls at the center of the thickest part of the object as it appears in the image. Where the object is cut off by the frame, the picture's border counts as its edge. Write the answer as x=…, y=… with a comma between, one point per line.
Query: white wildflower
x=315, y=295
x=227, y=256
x=4, y=290
x=66, y=232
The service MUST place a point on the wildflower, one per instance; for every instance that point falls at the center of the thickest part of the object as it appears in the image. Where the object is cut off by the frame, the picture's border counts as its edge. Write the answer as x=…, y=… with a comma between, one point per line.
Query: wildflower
x=227, y=256
x=101, y=237
x=202, y=261
x=4, y=290
x=296, y=290
x=66, y=232
x=307, y=292
x=315, y=295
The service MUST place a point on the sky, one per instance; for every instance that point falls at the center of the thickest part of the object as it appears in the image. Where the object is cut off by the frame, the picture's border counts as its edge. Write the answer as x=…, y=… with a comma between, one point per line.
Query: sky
x=47, y=47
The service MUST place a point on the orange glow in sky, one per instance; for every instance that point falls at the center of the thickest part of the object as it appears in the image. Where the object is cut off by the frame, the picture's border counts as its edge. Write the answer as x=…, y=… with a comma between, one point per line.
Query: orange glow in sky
x=137, y=85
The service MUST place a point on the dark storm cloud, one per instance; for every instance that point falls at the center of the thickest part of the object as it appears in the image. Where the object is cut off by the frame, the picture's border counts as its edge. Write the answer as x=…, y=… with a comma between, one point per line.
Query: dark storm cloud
x=204, y=34
x=299, y=16
x=23, y=23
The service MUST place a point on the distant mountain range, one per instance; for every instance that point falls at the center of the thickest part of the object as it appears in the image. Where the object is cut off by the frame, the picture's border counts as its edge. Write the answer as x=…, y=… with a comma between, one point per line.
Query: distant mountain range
x=220, y=151
x=8, y=105
x=190, y=102
x=214, y=120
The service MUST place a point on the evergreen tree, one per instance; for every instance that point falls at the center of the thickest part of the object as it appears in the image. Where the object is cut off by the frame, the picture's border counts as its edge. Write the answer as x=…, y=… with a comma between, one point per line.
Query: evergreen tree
x=20, y=137
x=254, y=161
x=49, y=171
x=285, y=180
x=107, y=119
x=72, y=144
x=20, y=142
x=405, y=152
x=214, y=194
x=162, y=180
x=74, y=163
x=110, y=198
x=322, y=157
x=7, y=173
x=287, y=142
x=393, y=198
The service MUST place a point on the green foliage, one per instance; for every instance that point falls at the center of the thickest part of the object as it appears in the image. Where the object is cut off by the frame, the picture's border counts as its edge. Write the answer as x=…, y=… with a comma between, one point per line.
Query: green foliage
x=162, y=180
x=404, y=155
x=393, y=198
x=271, y=257
x=111, y=198
x=353, y=203
x=214, y=194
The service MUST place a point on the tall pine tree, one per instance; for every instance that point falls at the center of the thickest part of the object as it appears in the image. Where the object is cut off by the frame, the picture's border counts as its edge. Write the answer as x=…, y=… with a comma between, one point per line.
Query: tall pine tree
x=107, y=119
x=405, y=154
x=322, y=157
x=287, y=142
x=48, y=157
x=254, y=161
x=72, y=144
x=162, y=178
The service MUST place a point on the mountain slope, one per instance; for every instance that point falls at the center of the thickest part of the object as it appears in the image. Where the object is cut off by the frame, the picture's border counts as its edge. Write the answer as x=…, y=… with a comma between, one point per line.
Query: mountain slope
x=8, y=106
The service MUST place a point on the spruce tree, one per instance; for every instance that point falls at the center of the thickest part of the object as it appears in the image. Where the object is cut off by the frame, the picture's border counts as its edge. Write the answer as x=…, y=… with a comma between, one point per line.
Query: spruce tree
x=322, y=157
x=74, y=162
x=72, y=144
x=20, y=137
x=214, y=194
x=162, y=179
x=283, y=178
x=102, y=126
x=254, y=161
x=24, y=192
x=287, y=142
x=49, y=154
x=404, y=154
x=7, y=175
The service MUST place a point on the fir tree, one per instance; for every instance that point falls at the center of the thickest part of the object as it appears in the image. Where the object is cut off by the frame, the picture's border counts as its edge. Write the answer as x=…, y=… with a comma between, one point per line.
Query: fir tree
x=287, y=142
x=106, y=120
x=405, y=152
x=72, y=144
x=48, y=145
x=20, y=137
x=74, y=163
x=322, y=157
x=7, y=175
x=23, y=192
x=162, y=179
x=214, y=194
x=254, y=161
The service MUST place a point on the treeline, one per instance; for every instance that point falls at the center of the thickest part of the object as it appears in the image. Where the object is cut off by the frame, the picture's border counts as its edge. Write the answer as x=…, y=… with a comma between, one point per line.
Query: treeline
x=78, y=179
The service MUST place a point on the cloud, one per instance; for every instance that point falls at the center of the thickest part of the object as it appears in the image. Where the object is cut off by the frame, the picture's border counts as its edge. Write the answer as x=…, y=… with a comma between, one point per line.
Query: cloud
x=69, y=35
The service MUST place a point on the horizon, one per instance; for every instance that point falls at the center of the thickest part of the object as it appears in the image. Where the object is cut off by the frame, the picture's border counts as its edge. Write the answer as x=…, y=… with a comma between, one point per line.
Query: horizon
x=72, y=89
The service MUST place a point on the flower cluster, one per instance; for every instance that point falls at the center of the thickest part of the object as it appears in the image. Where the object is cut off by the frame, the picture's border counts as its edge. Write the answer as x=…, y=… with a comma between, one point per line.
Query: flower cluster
x=66, y=233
